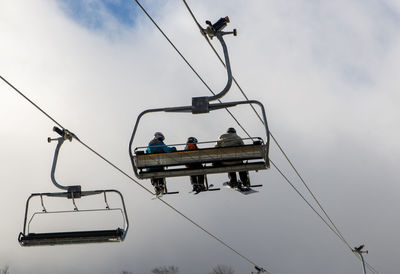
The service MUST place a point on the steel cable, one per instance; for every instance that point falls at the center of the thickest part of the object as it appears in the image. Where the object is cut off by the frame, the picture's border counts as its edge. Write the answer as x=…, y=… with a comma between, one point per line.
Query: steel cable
x=131, y=178
x=187, y=62
x=334, y=229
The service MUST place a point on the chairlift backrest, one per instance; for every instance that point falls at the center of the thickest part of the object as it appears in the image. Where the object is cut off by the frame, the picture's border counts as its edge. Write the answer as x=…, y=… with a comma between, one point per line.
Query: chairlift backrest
x=236, y=158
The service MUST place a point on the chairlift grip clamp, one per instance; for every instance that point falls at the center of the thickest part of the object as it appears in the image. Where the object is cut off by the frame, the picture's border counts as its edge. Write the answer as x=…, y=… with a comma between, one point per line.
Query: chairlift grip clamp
x=213, y=29
x=64, y=133
x=259, y=269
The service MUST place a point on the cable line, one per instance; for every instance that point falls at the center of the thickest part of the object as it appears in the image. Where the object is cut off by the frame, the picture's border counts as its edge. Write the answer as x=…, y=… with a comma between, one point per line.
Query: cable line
x=258, y=115
x=332, y=225
x=219, y=57
x=334, y=229
x=201, y=29
x=35, y=105
x=171, y=207
x=132, y=179
x=187, y=62
x=191, y=67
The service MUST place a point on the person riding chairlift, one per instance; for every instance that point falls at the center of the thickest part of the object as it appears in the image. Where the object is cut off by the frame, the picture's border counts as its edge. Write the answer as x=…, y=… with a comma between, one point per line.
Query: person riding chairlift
x=157, y=145
x=197, y=181
x=230, y=138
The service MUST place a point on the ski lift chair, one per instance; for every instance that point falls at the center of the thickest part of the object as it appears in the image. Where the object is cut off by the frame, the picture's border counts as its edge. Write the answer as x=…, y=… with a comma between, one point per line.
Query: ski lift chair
x=251, y=157
x=28, y=238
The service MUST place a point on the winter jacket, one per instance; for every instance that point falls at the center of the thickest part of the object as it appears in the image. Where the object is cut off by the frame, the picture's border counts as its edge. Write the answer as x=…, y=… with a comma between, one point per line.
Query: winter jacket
x=157, y=146
x=190, y=146
x=229, y=139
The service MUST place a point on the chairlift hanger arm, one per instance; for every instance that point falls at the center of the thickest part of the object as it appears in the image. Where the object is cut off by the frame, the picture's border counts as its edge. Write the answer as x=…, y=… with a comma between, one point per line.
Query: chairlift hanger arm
x=64, y=135
x=60, y=140
x=228, y=69
x=201, y=104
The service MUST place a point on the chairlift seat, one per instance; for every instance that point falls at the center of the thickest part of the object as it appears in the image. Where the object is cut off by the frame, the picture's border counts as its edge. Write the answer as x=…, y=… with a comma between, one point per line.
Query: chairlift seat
x=75, y=237
x=27, y=238
x=235, y=158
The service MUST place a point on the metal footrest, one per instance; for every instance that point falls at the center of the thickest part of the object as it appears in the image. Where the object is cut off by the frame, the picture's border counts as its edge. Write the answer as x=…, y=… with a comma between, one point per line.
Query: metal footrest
x=75, y=237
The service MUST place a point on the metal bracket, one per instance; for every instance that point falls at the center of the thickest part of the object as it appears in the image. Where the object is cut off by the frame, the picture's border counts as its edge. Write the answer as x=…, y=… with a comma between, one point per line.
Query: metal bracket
x=41, y=201
x=200, y=105
x=74, y=192
x=213, y=29
x=259, y=269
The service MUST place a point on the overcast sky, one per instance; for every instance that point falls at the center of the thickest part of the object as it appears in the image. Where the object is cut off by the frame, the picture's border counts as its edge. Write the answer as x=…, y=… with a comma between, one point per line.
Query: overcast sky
x=326, y=71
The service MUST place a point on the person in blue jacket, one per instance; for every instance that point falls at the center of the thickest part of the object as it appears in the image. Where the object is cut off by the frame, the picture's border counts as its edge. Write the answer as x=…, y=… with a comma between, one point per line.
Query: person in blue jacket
x=157, y=145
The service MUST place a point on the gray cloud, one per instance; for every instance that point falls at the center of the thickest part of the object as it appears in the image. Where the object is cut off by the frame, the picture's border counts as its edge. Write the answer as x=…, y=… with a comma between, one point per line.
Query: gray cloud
x=327, y=73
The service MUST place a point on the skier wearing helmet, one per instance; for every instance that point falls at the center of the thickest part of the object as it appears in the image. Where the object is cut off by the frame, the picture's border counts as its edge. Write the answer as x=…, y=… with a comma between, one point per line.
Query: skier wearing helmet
x=197, y=181
x=157, y=145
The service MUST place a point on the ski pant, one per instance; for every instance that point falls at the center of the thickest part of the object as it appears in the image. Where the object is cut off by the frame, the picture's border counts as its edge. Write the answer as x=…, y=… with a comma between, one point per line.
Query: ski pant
x=244, y=177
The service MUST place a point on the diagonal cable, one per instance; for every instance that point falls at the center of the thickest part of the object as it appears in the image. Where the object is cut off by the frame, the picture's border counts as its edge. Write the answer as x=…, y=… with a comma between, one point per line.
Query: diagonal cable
x=220, y=58
x=130, y=177
x=191, y=67
x=334, y=229
x=30, y=101
x=258, y=115
x=187, y=62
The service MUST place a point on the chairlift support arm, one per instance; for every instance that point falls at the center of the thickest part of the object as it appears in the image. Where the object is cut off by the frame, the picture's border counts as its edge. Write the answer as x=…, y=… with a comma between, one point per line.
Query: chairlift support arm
x=228, y=70
x=359, y=250
x=201, y=104
x=74, y=191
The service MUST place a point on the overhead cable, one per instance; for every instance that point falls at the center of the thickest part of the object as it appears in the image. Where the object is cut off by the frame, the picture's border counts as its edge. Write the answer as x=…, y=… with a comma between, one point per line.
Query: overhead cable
x=131, y=178
x=332, y=225
x=334, y=229
x=26, y=98
x=187, y=62
x=172, y=44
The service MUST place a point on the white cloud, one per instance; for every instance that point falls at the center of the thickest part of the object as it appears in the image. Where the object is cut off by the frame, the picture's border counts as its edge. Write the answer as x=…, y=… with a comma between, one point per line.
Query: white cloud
x=326, y=72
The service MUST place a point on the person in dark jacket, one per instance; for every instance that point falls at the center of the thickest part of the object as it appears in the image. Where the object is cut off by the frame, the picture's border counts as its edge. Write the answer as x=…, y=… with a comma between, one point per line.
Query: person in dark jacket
x=230, y=138
x=157, y=145
x=197, y=181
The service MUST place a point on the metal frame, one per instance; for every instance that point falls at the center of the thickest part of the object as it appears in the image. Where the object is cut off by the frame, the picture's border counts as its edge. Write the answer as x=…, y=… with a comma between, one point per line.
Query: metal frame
x=185, y=109
x=202, y=105
x=26, y=238
x=72, y=192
